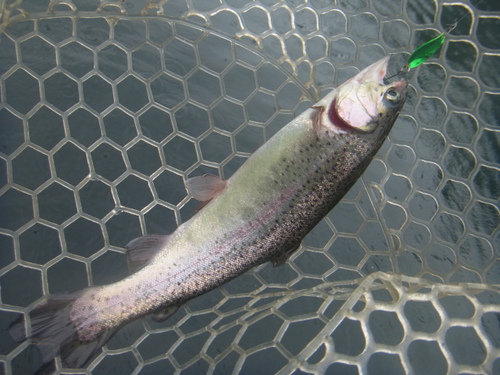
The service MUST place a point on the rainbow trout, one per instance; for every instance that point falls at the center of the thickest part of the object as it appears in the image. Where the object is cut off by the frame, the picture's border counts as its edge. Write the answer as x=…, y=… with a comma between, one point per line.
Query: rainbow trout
x=260, y=214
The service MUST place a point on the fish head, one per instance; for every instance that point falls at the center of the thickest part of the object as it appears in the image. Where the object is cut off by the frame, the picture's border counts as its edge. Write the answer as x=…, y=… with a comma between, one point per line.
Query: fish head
x=365, y=102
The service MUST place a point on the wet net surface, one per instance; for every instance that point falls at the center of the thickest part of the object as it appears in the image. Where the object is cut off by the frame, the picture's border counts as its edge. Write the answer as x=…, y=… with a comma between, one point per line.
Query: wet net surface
x=108, y=106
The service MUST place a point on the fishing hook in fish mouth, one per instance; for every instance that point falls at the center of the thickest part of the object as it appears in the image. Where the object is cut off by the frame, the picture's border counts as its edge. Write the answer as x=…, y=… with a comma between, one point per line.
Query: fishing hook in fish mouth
x=404, y=70
x=424, y=51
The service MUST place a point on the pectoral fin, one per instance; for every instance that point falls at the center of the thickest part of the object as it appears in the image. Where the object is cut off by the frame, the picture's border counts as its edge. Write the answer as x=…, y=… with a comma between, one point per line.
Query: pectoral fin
x=316, y=119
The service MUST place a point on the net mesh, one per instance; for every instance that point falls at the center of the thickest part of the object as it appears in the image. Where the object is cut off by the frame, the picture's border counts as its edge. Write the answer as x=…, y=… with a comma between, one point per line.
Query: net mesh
x=108, y=106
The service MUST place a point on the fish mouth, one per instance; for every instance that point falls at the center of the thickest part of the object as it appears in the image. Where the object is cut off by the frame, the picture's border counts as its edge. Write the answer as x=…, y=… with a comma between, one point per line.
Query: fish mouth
x=374, y=72
x=401, y=86
x=377, y=71
x=358, y=105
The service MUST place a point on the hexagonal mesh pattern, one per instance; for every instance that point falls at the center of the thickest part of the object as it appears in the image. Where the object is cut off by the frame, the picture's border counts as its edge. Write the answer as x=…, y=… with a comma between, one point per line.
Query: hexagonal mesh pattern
x=108, y=106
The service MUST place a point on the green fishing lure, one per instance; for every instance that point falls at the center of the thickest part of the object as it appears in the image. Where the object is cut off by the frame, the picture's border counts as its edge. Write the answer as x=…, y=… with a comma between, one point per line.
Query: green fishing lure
x=425, y=51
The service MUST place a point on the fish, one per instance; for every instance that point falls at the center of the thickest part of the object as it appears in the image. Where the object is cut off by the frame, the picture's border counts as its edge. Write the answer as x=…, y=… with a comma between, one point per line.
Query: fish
x=260, y=214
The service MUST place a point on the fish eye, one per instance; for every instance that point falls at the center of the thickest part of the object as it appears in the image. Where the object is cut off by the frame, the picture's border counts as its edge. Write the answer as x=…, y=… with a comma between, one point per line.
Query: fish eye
x=393, y=95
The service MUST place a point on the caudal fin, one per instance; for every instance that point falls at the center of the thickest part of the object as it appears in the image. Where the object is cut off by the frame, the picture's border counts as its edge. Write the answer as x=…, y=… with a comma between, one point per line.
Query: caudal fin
x=53, y=332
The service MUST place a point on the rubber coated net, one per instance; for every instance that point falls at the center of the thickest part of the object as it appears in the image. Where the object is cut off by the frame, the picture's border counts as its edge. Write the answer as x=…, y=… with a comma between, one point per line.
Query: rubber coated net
x=108, y=106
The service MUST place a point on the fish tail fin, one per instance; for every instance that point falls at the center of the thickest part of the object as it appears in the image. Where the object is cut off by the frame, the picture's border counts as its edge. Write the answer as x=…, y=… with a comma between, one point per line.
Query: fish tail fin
x=53, y=332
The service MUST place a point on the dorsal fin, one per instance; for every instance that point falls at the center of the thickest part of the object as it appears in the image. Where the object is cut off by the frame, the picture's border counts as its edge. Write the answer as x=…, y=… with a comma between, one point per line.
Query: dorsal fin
x=141, y=250
x=205, y=188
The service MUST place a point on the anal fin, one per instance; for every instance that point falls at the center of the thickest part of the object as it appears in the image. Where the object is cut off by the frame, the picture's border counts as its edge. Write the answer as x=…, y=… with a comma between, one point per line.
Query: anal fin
x=142, y=249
